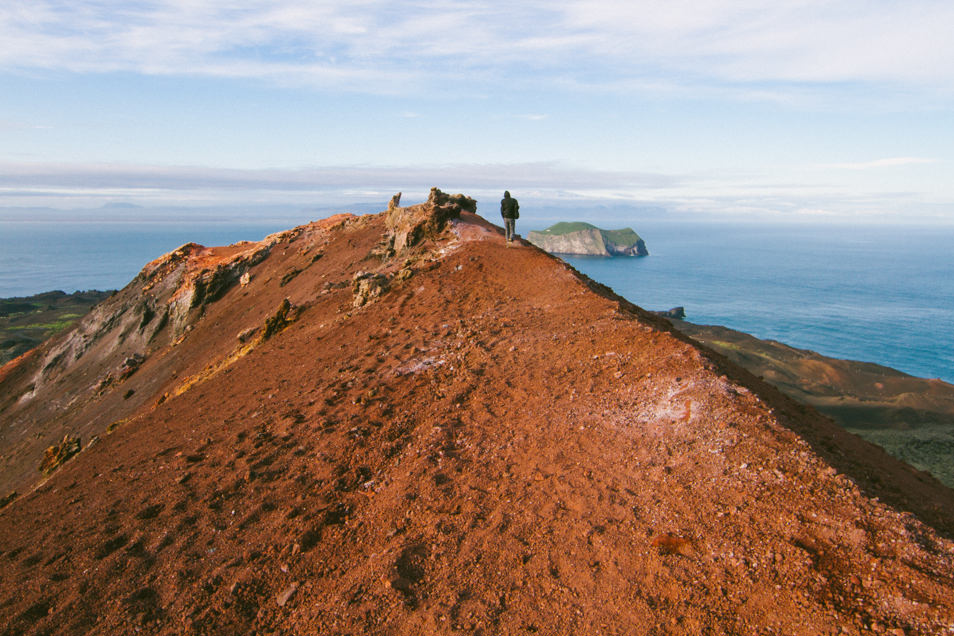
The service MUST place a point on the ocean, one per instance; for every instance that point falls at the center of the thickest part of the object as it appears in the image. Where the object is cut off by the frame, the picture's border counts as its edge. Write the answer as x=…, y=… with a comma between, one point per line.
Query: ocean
x=38, y=257
x=876, y=294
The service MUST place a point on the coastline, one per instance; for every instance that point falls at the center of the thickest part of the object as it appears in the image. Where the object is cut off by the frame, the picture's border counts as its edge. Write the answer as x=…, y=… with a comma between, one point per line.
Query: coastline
x=873, y=294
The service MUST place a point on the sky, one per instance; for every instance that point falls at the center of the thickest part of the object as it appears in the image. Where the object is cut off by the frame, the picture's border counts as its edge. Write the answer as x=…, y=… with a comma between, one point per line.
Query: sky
x=803, y=109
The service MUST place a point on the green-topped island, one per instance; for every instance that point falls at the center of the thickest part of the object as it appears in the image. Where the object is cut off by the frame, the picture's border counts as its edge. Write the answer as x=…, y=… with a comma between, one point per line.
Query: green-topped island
x=585, y=239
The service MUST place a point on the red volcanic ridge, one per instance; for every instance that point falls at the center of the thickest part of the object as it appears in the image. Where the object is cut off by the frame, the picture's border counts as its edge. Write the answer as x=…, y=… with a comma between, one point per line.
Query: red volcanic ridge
x=397, y=424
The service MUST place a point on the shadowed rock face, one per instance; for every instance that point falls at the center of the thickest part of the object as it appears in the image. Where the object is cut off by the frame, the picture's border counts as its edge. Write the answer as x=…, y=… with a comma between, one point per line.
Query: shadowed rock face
x=490, y=443
x=66, y=378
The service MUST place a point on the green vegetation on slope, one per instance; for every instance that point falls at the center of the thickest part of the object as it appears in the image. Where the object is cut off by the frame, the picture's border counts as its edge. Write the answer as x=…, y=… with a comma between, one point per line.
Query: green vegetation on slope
x=911, y=418
x=625, y=236
x=567, y=227
x=928, y=448
x=26, y=322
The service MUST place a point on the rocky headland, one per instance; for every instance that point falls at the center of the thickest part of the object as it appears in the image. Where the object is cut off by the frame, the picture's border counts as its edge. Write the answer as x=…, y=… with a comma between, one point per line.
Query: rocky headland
x=372, y=425
x=588, y=240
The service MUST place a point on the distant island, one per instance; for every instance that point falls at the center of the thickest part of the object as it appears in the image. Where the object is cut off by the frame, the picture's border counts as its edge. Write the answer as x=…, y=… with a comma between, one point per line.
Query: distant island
x=586, y=239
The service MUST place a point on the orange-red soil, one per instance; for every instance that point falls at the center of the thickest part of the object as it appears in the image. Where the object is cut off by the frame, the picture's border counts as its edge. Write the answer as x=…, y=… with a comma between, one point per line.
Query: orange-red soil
x=493, y=445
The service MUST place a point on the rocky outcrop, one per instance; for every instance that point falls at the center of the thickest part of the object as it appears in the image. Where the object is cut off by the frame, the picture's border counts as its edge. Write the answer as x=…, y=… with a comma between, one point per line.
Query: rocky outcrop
x=588, y=240
x=58, y=454
x=192, y=277
x=676, y=313
x=105, y=349
x=168, y=296
x=368, y=286
x=282, y=317
x=409, y=226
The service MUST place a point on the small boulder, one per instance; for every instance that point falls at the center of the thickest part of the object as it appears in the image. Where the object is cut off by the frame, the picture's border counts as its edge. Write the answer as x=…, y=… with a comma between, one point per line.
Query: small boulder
x=131, y=365
x=286, y=594
x=246, y=334
x=671, y=543
x=676, y=313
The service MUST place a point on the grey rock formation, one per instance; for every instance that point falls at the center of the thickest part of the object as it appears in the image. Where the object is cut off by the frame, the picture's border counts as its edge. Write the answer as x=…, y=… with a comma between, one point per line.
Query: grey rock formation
x=586, y=239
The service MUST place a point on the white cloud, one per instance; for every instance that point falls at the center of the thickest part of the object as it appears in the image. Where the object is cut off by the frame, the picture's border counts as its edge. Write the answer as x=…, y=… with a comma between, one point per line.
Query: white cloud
x=800, y=40
x=380, y=44
x=890, y=162
x=546, y=175
x=22, y=125
x=538, y=184
x=68, y=185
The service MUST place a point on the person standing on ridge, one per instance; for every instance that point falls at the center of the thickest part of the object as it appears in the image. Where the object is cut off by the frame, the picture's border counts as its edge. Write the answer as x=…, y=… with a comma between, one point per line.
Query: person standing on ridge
x=510, y=211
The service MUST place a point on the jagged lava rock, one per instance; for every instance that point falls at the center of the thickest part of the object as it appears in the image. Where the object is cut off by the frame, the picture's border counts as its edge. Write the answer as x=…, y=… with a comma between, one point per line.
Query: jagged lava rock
x=494, y=445
x=408, y=226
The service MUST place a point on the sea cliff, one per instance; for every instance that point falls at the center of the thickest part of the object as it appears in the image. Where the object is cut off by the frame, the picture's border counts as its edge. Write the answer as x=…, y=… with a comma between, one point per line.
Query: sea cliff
x=586, y=239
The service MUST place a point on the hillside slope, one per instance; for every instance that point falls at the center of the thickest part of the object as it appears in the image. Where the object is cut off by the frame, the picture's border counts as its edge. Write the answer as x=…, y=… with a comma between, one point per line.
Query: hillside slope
x=912, y=418
x=26, y=322
x=437, y=434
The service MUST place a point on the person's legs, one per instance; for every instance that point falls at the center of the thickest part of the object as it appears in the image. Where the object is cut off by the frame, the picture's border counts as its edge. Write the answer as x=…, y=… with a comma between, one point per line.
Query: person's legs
x=510, y=225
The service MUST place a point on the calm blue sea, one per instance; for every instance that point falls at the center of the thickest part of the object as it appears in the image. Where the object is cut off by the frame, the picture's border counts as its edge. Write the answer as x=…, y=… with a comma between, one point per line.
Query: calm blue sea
x=882, y=294
x=38, y=257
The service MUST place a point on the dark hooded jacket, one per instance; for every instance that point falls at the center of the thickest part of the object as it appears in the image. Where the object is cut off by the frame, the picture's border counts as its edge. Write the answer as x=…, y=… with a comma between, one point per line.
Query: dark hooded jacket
x=509, y=208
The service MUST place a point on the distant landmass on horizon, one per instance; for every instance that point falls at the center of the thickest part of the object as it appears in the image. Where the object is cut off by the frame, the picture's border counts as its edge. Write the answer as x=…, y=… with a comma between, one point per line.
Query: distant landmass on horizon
x=585, y=239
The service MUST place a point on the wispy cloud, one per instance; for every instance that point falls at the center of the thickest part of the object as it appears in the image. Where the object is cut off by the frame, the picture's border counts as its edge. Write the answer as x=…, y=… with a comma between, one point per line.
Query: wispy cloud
x=19, y=183
x=22, y=125
x=184, y=177
x=382, y=45
x=890, y=162
x=539, y=184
